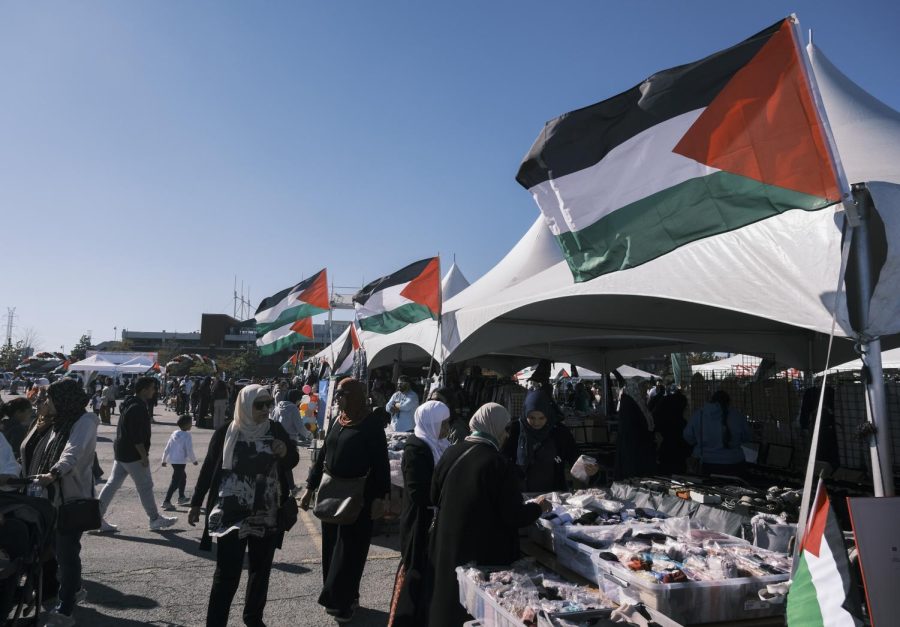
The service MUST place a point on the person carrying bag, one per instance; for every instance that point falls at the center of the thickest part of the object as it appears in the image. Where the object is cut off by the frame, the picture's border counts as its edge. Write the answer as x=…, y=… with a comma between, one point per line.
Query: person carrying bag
x=350, y=479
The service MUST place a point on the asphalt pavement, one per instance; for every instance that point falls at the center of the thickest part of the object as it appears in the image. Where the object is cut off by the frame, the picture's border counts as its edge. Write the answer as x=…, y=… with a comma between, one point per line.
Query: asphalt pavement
x=141, y=577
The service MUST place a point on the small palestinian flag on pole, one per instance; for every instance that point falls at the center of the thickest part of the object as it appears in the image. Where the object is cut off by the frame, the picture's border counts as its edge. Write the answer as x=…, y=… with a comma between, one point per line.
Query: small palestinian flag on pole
x=284, y=320
x=294, y=362
x=343, y=362
x=405, y=297
x=692, y=152
x=822, y=592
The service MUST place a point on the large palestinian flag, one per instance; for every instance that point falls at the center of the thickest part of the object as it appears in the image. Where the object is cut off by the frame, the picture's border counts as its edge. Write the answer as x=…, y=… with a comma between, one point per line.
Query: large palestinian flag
x=409, y=295
x=284, y=320
x=693, y=151
x=821, y=592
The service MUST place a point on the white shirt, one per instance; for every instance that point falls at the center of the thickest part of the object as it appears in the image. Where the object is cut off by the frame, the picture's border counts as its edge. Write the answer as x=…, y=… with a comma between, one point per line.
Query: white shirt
x=179, y=449
x=186, y=385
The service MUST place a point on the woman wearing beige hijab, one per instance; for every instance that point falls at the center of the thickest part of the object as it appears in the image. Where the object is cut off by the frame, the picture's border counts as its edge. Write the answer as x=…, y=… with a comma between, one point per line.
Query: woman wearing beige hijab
x=480, y=510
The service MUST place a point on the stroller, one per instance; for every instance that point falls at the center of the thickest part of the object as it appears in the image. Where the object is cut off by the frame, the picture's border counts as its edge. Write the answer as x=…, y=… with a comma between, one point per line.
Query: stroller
x=26, y=535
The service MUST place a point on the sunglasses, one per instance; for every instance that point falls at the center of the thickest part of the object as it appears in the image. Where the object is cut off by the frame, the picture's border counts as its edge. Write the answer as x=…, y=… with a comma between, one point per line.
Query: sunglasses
x=269, y=404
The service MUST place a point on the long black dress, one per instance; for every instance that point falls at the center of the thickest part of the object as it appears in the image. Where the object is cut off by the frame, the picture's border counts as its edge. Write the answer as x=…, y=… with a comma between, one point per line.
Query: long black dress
x=350, y=452
x=410, y=603
x=478, y=521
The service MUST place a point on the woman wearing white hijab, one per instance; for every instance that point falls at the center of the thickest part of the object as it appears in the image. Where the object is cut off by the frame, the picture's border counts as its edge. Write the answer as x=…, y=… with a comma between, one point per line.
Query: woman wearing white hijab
x=480, y=510
x=422, y=452
x=249, y=452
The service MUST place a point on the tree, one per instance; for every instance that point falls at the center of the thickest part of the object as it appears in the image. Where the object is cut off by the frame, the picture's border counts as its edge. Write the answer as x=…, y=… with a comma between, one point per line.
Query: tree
x=79, y=351
x=11, y=355
x=30, y=340
x=701, y=358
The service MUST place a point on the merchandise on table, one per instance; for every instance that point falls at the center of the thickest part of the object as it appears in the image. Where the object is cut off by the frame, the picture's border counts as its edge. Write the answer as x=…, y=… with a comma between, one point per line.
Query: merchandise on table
x=671, y=564
x=521, y=593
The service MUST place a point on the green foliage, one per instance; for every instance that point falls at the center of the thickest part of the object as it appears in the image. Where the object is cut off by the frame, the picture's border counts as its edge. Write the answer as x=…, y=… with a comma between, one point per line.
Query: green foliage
x=701, y=358
x=79, y=351
x=201, y=370
x=242, y=364
x=11, y=355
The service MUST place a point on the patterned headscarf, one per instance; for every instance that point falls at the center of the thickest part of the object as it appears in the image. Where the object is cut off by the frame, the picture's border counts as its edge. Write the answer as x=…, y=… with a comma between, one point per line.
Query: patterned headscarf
x=243, y=422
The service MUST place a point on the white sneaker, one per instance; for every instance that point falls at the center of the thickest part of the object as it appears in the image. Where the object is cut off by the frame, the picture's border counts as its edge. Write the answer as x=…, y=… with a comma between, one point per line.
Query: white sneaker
x=106, y=527
x=163, y=522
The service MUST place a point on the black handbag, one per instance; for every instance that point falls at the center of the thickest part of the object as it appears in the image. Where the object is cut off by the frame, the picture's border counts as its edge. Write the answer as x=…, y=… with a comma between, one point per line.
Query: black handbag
x=339, y=501
x=77, y=515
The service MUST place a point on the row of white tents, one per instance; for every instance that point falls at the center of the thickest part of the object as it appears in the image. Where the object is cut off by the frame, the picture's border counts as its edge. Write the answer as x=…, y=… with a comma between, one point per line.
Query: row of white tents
x=114, y=363
x=766, y=289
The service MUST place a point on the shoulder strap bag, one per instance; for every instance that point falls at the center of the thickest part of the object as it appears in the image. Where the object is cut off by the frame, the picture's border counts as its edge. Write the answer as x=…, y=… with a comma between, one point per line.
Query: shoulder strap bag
x=432, y=530
x=339, y=501
x=77, y=515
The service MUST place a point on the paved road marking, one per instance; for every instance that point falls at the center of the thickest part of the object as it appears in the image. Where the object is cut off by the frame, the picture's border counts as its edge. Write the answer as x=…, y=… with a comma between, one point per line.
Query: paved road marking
x=313, y=528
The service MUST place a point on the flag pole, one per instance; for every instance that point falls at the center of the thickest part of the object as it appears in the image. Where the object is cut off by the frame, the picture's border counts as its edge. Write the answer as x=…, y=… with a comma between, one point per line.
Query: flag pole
x=857, y=204
x=330, y=324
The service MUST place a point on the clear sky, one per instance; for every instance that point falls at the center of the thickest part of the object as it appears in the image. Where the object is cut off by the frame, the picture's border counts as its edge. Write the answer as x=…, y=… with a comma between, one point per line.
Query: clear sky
x=151, y=151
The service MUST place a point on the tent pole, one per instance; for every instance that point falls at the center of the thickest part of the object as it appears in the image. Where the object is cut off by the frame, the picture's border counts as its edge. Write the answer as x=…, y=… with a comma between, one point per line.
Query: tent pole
x=870, y=347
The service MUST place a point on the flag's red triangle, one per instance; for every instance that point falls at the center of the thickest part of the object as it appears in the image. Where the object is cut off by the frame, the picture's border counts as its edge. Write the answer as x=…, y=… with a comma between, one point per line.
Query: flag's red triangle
x=763, y=124
x=304, y=327
x=317, y=293
x=425, y=289
x=815, y=531
x=354, y=338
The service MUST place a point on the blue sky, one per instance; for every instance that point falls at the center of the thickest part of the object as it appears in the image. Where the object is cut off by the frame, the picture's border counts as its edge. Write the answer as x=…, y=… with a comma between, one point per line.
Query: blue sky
x=151, y=151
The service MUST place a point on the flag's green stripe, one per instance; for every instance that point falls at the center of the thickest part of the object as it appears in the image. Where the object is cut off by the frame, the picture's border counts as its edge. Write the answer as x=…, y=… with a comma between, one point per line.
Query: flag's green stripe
x=283, y=343
x=395, y=319
x=802, y=602
x=304, y=310
x=660, y=223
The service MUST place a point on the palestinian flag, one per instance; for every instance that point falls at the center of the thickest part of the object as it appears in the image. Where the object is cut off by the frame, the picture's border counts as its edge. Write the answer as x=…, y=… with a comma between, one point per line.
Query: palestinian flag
x=307, y=298
x=821, y=592
x=691, y=152
x=283, y=338
x=407, y=296
x=343, y=362
x=284, y=320
x=294, y=362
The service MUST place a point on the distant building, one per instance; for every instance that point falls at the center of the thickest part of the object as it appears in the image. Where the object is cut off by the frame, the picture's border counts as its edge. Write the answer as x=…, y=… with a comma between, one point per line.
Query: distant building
x=221, y=335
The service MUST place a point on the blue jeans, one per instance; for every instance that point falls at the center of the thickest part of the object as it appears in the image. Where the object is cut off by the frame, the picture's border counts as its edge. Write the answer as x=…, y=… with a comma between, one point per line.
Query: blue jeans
x=68, y=555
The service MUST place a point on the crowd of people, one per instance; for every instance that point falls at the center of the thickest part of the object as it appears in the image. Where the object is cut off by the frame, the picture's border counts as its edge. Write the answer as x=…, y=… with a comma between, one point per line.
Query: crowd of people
x=464, y=476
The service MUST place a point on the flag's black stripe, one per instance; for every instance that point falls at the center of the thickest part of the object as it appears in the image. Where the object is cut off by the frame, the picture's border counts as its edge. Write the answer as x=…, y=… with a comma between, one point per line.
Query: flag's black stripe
x=273, y=300
x=579, y=139
x=344, y=353
x=404, y=275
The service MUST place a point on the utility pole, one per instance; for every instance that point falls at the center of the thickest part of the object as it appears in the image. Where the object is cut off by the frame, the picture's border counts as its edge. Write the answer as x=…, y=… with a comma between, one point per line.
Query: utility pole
x=10, y=323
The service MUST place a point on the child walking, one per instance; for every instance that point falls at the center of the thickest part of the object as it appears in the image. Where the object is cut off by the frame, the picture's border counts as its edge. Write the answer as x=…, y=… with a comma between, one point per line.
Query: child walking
x=178, y=452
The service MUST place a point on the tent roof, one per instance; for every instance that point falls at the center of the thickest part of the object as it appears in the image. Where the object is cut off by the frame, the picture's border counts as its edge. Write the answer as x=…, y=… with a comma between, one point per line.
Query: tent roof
x=766, y=288
x=890, y=360
x=453, y=282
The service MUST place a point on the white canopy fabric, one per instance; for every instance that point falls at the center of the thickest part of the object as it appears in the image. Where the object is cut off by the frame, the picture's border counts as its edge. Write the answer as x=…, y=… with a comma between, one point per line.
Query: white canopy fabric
x=94, y=363
x=890, y=360
x=766, y=288
x=453, y=282
x=113, y=363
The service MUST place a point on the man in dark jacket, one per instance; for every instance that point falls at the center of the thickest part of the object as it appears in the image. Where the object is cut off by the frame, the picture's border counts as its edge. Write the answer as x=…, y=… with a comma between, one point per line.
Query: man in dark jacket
x=131, y=448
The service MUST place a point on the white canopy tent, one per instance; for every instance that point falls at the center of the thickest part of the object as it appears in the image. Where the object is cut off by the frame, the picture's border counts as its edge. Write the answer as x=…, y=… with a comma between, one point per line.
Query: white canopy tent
x=114, y=363
x=94, y=363
x=786, y=268
x=890, y=360
x=137, y=365
x=558, y=371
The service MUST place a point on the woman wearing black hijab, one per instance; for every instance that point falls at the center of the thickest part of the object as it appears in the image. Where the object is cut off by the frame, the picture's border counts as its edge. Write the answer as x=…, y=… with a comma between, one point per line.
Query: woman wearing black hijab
x=204, y=399
x=354, y=447
x=62, y=458
x=540, y=448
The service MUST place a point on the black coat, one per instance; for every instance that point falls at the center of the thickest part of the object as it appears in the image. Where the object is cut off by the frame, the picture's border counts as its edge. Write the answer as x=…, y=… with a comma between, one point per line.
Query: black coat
x=635, y=444
x=481, y=511
x=412, y=598
x=211, y=475
x=547, y=470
